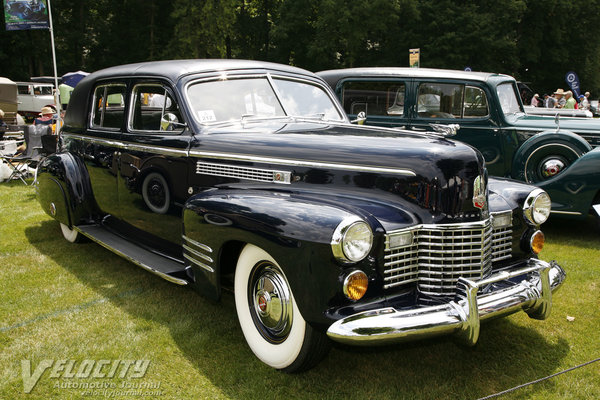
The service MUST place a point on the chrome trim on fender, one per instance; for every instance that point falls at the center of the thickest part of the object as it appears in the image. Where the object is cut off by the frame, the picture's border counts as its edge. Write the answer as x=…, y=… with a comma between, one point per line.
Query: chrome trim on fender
x=461, y=316
x=198, y=244
x=198, y=263
x=299, y=163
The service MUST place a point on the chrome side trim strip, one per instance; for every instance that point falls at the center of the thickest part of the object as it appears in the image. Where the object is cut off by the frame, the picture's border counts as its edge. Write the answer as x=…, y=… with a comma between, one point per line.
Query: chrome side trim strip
x=565, y=212
x=300, y=163
x=240, y=157
x=167, y=151
x=198, y=263
x=166, y=277
x=197, y=244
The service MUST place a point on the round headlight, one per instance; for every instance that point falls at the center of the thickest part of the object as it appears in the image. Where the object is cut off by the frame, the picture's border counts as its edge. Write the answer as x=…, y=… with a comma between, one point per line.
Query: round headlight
x=537, y=207
x=352, y=240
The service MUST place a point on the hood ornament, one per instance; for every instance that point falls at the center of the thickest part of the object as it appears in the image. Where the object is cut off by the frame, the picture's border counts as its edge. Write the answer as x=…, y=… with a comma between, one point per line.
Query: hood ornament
x=445, y=130
x=479, y=190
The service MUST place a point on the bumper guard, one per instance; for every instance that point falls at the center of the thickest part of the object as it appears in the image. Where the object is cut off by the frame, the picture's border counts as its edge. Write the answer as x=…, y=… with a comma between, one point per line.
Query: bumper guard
x=461, y=316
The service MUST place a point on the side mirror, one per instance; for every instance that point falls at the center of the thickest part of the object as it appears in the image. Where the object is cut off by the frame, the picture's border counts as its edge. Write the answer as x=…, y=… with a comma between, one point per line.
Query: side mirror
x=170, y=122
x=361, y=117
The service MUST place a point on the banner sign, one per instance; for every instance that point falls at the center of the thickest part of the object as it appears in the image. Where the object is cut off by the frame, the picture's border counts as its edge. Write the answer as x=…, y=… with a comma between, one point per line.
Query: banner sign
x=573, y=82
x=25, y=14
x=413, y=57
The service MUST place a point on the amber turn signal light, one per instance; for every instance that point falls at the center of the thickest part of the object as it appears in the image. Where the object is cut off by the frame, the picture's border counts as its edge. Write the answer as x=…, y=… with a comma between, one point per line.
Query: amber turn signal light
x=355, y=285
x=537, y=242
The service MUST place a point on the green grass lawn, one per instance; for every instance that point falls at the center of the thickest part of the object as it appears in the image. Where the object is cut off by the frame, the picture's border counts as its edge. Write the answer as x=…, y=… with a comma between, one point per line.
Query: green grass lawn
x=81, y=302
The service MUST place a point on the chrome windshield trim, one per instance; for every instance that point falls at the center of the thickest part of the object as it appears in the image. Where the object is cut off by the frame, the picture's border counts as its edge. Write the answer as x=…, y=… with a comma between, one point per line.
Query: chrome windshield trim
x=300, y=163
x=270, y=76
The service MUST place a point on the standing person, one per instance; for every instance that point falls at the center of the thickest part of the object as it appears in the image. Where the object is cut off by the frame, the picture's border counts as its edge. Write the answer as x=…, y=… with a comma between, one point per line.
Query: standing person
x=2, y=123
x=549, y=101
x=584, y=104
x=569, y=100
x=535, y=100
x=560, y=99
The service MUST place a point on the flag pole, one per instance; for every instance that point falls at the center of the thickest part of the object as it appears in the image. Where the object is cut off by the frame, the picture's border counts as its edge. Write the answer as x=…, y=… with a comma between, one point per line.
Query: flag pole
x=56, y=91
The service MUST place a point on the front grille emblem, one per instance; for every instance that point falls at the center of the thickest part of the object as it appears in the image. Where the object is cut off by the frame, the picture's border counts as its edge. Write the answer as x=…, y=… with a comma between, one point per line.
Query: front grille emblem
x=479, y=192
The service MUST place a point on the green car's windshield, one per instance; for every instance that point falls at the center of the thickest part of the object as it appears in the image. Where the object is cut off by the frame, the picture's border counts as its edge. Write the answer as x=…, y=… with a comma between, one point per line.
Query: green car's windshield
x=508, y=99
x=236, y=99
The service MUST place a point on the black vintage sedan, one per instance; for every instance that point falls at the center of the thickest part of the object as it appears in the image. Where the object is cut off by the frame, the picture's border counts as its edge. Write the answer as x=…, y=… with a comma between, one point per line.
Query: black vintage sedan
x=247, y=175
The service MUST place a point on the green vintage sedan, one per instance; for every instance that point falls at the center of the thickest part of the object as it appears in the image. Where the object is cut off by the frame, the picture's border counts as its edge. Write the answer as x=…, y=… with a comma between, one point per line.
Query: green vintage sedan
x=562, y=156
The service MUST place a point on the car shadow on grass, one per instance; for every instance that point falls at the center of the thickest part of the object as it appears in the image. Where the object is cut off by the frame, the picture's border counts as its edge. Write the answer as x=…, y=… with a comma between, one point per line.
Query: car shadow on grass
x=510, y=351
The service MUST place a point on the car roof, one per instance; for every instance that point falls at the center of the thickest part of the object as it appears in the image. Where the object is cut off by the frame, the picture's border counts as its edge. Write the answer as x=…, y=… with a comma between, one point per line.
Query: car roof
x=334, y=75
x=175, y=69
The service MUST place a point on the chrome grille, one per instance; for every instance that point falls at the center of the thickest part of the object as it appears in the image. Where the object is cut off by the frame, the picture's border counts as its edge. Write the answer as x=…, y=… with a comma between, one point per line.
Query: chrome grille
x=437, y=255
x=239, y=172
x=501, y=243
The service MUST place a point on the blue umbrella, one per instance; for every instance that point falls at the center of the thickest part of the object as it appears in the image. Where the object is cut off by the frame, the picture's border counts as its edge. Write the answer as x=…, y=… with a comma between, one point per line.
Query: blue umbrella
x=73, y=78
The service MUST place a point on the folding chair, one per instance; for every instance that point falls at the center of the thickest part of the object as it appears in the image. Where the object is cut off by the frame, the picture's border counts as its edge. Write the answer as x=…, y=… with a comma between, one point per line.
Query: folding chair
x=20, y=163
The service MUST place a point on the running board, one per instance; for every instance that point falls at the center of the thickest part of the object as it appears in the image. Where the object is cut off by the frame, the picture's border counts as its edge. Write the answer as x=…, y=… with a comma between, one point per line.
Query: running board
x=158, y=265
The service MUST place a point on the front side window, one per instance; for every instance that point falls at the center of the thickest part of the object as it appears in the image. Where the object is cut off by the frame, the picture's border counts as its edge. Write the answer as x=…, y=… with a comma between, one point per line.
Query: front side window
x=153, y=108
x=234, y=99
x=476, y=104
x=374, y=98
x=440, y=100
x=507, y=95
x=108, y=107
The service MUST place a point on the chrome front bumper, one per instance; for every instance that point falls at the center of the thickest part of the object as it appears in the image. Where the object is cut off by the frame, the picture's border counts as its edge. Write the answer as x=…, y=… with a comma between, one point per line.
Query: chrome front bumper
x=461, y=316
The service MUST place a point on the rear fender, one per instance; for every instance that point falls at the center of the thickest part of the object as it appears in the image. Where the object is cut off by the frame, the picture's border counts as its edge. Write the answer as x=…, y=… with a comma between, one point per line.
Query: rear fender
x=565, y=138
x=63, y=188
x=573, y=191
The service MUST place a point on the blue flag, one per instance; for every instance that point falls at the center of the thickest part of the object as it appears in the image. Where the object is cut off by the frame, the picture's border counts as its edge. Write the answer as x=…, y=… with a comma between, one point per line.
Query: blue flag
x=573, y=82
x=25, y=14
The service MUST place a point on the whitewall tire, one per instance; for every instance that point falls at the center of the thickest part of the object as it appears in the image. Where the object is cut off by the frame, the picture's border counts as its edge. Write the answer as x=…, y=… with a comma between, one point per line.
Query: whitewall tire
x=269, y=316
x=71, y=235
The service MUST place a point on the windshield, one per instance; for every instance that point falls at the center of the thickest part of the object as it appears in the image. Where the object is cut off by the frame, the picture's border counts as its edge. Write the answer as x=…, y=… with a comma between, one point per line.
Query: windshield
x=235, y=99
x=508, y=98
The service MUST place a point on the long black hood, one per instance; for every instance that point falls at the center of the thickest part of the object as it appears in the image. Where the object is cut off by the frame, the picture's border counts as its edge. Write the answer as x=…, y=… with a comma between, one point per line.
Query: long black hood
x=431, y=173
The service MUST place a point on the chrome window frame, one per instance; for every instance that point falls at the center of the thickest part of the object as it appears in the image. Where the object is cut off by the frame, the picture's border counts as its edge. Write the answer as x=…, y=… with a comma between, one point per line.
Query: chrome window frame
x=92, y=114
x=130, y=112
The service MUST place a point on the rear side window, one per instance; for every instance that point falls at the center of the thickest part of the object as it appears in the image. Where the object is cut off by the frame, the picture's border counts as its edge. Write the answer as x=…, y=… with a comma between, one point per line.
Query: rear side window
x=108, y=107
x=374, y=98
x=451, y=100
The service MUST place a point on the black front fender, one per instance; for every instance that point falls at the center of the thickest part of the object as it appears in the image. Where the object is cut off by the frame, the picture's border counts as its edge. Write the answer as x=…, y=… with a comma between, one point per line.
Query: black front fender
x=295, y=230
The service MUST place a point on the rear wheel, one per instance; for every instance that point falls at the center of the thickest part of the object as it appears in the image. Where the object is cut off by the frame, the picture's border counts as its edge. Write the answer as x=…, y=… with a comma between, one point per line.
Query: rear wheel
x=269, y=317
x=71, y=235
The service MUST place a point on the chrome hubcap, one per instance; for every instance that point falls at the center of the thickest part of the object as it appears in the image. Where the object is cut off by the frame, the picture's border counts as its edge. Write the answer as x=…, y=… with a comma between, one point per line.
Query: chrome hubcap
x=270, y=302
x=552, y=167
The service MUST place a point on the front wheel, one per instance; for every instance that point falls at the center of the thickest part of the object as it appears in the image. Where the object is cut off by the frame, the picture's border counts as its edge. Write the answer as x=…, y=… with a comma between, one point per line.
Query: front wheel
x=269, y=317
